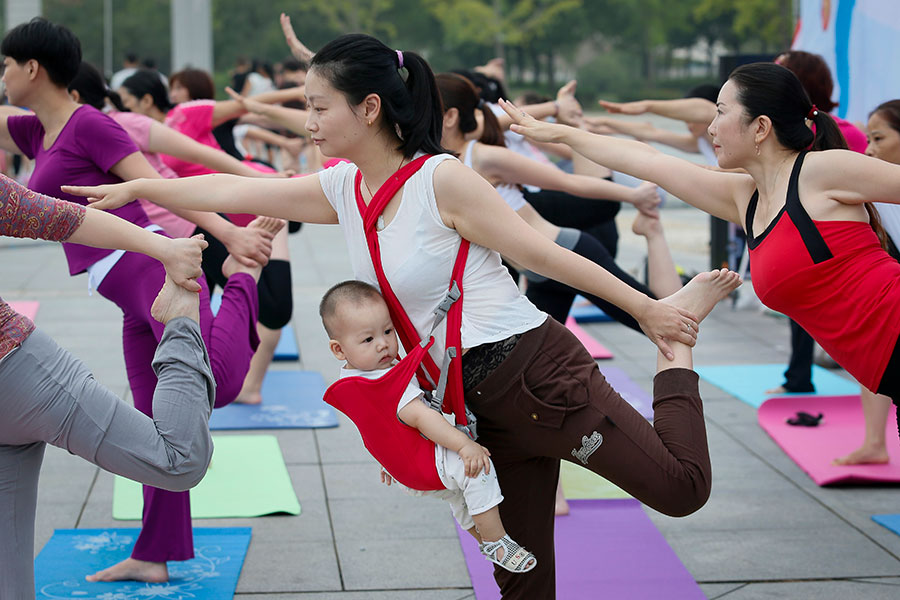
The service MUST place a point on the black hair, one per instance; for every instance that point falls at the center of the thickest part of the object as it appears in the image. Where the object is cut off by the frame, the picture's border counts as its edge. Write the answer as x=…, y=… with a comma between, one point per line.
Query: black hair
x=768, y=89
x=145, y=82
x=149, y=63
x=92, y=88
x=890, y=112
x=772, y=90
x=489, y=88
x=352, y=290
x=131, y=57
x=460, y=93
x=707, y=91
x=292, y=64
x=53, y=46
x=358, y=65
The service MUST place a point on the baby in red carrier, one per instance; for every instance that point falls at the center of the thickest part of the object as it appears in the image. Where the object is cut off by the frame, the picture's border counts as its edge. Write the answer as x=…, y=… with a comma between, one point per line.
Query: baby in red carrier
x=362, y=335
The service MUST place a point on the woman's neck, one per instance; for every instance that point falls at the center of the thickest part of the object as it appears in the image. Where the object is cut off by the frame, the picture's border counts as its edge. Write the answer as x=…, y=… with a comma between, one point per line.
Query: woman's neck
x=157, y=115
x=377, y=159
x=771, y=170
x=53, y=106
x=454, y=140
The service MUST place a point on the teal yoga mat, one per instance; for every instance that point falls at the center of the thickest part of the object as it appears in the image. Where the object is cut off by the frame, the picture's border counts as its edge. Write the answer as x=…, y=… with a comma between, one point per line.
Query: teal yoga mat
x=246, y=478
x=73, y=553
x=291, y=400
x=750, y=382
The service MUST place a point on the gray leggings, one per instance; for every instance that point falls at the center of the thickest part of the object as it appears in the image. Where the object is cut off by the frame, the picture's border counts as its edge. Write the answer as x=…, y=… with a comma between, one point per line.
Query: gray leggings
x=47, y=396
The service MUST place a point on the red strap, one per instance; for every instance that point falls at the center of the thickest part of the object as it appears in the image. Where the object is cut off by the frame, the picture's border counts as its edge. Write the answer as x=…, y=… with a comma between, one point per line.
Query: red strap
x=453, y=400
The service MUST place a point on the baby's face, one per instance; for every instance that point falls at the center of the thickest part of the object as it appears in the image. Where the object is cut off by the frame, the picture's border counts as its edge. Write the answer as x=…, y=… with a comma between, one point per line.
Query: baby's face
x=367, y=336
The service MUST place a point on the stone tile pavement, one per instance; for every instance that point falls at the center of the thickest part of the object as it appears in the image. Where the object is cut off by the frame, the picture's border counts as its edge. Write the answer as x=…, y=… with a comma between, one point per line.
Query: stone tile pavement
x=767, y=532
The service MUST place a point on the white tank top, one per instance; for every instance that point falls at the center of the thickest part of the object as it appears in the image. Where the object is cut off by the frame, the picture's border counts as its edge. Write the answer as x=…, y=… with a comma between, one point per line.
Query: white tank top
x=510, y=193
x=418, y=252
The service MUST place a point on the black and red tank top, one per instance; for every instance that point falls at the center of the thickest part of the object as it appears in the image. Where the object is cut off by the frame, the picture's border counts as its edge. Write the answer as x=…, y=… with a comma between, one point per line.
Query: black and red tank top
x=831, y=277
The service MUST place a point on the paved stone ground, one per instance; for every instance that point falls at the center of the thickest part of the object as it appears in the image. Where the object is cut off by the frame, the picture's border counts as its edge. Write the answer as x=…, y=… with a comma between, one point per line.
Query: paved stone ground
x=767, y=532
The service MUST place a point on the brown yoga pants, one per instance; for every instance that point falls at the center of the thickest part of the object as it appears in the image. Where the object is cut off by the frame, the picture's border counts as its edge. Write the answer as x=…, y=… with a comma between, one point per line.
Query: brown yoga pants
x=548, y=401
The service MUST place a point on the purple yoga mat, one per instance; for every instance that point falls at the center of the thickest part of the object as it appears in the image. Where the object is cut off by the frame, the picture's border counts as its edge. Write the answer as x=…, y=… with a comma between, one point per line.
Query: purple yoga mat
x=631, y=392
x=604, y=549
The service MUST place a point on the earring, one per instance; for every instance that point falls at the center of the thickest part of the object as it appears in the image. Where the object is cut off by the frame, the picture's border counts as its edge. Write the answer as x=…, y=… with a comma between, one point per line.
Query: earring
x=370, y=123
x=757, y=149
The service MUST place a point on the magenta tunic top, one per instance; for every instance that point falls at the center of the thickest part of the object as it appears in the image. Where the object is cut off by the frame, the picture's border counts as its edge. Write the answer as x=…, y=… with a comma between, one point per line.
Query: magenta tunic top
x=26, y=214
x=88, y=146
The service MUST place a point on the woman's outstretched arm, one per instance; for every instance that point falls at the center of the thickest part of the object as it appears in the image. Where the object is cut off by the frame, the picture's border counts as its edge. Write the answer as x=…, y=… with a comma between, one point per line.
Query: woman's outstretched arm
x=472, y=206
x=852, y=178
x=712, y=192
x=297, y=199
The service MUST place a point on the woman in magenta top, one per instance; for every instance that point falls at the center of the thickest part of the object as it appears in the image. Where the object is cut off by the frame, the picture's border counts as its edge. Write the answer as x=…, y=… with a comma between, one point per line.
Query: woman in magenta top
x=71, y=142
x=815, y=248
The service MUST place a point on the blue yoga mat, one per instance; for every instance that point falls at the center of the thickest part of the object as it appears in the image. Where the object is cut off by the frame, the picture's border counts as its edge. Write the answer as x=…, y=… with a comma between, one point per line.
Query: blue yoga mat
x=73, y=553
x=287, y=344
x=585, y=312
x=291, y=400
x=891, y=522
x=750, y=382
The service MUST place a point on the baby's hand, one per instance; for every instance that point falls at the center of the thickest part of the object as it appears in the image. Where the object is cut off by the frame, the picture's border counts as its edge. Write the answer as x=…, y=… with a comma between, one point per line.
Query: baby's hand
x=475, y=457
x=386, y=478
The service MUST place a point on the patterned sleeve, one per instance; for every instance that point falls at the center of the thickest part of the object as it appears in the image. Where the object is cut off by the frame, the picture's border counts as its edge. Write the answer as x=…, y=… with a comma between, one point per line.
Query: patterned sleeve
x=24, y=213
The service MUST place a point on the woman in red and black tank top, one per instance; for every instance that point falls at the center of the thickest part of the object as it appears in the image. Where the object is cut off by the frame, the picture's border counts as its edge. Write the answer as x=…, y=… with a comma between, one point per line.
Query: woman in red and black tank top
x=819, y=256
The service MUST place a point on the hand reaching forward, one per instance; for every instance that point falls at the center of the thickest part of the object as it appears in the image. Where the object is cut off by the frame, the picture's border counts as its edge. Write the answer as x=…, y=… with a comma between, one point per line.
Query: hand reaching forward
x=298, y=50
x=104, y=197
x=638, y=107
x=475, y=457
x=533, y=129
x=182, y=261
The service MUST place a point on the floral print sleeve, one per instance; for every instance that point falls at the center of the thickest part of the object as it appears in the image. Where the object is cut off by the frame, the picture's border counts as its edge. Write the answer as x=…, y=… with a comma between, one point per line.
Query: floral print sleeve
x=24, y=213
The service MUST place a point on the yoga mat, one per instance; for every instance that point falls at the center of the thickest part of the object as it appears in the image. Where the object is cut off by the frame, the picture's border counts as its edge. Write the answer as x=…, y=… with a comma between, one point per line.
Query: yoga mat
x=838, y=433
x=246, y=478
x=891, y=522
x=286, y=349
x=750, y=382
x=27, y=308
x=604, y=549
x=631, y=392
x=585, y=312
x=73, y=553
x=581, y=484
x=596, y=349
x=291, y=400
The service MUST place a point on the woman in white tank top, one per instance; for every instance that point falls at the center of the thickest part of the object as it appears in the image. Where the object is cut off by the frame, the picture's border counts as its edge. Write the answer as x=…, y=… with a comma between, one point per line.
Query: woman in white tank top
x=537, y=393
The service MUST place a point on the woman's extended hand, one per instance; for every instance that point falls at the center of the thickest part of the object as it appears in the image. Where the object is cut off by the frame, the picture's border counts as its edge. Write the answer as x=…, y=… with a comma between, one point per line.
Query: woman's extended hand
x=182, y=260
x=539, y=131
x=104, y=197
x=298, y=50
x=662, y=322
x=250, y=246
x=646, y=199
x=249, y=104
x=638, y=107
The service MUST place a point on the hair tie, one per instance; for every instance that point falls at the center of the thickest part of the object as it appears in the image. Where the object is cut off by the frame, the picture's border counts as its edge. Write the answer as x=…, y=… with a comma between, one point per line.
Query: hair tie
x=813, y=112
x=400, y=58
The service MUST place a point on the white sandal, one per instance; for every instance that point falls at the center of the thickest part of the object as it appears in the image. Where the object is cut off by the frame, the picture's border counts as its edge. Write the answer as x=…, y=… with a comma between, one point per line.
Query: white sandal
x=516, y=559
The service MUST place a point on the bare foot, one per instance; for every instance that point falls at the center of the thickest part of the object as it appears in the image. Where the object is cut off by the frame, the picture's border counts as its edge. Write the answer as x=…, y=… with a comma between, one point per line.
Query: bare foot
x=647, y=226
x=704, y=291
x=175, y=301
x=777, y=390
x=562, y=505
x=865, y=456
x=132, y=569
x=254, y=397
x=232, y=265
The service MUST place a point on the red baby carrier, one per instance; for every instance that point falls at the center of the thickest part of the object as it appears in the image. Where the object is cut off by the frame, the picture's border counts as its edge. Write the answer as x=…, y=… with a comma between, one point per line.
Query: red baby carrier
x=372, y=403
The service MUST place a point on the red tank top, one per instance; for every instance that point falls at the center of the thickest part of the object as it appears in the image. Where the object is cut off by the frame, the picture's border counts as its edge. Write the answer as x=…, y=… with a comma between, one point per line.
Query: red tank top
x=831, y=277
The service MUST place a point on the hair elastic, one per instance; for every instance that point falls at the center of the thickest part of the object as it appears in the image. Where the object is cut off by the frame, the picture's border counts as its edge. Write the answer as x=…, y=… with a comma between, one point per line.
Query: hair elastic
x=400, y=58
x=813, y=112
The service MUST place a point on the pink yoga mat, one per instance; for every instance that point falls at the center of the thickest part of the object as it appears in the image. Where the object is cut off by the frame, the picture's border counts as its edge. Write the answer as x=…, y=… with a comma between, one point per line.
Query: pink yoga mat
x=596, y=349
x=839, y=432
x=604, y=549
x=27, y=308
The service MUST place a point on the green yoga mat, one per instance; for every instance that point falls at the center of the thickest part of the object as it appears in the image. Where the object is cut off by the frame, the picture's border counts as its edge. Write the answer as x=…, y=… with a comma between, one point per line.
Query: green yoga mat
x=246, y=478
x=580, y=484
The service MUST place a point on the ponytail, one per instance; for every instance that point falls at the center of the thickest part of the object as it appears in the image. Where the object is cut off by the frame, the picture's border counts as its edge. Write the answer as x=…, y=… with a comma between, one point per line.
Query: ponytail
x=92, y=88
x=358, y=65
x=492, y=134
x=828, y=135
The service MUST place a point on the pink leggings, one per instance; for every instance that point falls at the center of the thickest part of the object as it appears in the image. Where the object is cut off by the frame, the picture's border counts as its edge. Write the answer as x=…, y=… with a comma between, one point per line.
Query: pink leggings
x=230, y=339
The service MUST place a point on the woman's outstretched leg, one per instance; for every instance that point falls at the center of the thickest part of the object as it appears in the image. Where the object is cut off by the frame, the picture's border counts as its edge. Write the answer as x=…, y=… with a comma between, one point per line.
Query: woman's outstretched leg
x=662, y=276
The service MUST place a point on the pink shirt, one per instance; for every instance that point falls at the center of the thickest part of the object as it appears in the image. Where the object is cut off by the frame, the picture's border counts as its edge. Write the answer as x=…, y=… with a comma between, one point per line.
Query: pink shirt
x=24, y=213
x=138, y=128
x=193, y=119
x=856, y=139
